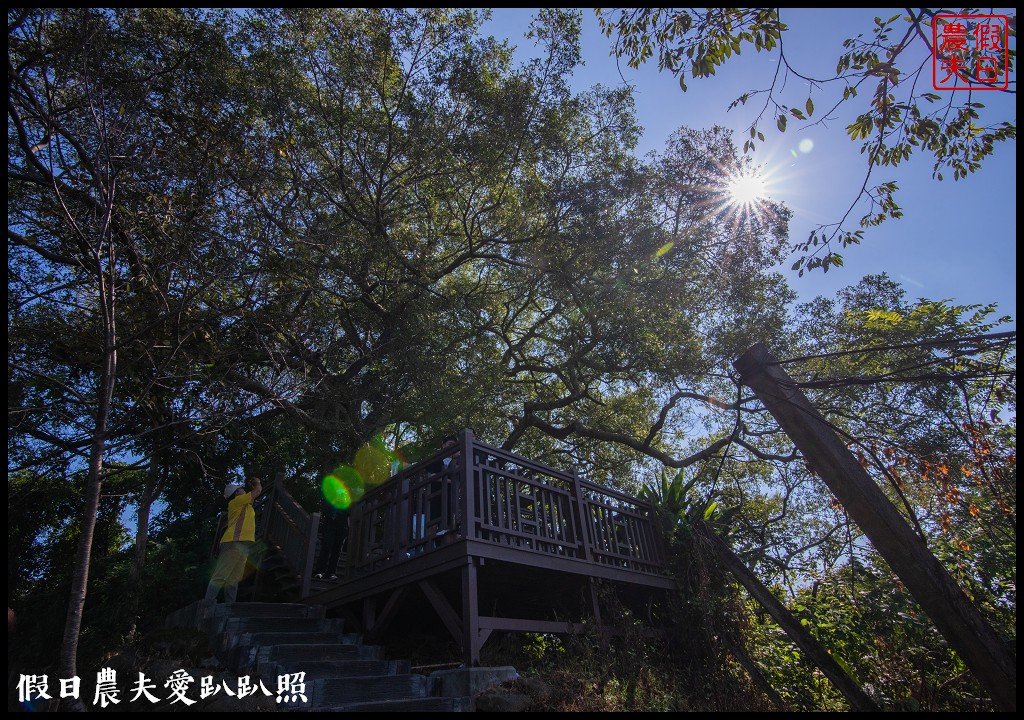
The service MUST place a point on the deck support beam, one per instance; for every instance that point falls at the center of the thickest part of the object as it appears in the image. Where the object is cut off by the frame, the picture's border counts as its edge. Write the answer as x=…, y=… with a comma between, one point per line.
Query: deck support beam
x=471, y=642
x=373, y=625
x=443, y=608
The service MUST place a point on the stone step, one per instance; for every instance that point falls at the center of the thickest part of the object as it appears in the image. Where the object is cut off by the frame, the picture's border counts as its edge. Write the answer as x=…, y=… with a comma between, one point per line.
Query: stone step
x=206, y=614
x=221, y=624
x=240, y=652
x=239, y=625
x=336, y=692
x=312, y=637
x=340, y=673
x=323, y=669
x=285, y=654
x=427, y=704
x=268, y=609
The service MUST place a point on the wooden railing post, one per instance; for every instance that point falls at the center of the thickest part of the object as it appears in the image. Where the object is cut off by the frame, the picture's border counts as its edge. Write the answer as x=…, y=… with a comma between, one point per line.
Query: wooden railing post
x=282, y=522
x=399, y=525
x=584, y=526
x=468, y=519
x=356, y=542
x=307, y=573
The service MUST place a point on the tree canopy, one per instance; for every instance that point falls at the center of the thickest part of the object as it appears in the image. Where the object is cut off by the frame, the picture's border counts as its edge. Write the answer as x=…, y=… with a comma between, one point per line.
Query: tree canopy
x=260, y=240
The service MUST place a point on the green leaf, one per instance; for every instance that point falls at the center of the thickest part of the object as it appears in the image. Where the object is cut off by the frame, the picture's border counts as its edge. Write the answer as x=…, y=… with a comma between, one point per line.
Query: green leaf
x=782, y=123
x=810, y=107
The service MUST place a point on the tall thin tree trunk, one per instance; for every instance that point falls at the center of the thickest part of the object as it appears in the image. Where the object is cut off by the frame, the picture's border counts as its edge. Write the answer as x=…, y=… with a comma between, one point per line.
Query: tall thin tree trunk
x=814, y=650
x=149, y=493
x=68, y=661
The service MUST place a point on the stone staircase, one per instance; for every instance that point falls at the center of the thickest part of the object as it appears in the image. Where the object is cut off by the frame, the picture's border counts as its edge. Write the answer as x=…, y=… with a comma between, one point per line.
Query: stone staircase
x=341, y=674
x=275, y=581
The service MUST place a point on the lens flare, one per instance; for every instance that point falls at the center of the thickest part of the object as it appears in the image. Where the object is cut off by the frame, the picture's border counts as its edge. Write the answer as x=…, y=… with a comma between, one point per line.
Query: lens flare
x=343, y=487
x=373, y=462
x=372, y=465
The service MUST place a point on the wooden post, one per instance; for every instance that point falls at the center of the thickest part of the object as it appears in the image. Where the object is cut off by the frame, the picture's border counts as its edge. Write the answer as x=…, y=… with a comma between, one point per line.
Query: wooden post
x=311, y=537
x=595, y=605
x=467, y=476
x=369, y=617
x=470, y=615
x=582, y=521
x=907, y=554
x=470, y=592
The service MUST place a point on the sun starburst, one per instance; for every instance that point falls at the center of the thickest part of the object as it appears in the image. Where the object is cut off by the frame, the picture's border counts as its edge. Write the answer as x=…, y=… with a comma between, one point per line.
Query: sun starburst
x=746, y=190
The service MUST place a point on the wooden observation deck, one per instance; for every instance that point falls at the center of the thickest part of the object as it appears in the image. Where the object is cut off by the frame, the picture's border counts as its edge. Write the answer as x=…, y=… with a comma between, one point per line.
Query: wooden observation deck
x=486, y=541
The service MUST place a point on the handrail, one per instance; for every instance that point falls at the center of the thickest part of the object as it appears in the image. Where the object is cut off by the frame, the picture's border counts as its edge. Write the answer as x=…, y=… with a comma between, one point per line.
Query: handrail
x=508, y=500
x=284, y=523
x=497, y=497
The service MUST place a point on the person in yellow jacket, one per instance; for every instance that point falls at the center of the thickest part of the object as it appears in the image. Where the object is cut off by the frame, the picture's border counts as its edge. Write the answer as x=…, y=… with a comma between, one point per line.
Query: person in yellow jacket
x=236, y=542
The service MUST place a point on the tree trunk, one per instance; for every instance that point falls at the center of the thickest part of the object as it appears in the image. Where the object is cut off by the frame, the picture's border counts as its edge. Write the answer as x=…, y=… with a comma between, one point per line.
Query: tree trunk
x=68, y=660
x=149, y=493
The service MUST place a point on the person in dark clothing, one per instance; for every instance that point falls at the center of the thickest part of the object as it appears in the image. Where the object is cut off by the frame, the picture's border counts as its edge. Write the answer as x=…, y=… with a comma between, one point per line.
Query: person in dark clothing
x=335, y=522
x=440, y=465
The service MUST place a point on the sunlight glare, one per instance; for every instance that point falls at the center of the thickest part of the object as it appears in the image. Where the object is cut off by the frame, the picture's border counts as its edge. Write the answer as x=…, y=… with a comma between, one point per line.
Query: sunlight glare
x=747, y=189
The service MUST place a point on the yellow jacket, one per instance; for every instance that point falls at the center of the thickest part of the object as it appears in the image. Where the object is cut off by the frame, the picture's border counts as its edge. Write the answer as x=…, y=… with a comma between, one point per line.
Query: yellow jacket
x=241, y=520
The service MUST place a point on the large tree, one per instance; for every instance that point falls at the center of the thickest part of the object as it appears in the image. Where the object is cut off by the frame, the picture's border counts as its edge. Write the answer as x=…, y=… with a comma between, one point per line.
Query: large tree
x=293, y=229
x=451, y=240
x=316, y=226
x=110, y=247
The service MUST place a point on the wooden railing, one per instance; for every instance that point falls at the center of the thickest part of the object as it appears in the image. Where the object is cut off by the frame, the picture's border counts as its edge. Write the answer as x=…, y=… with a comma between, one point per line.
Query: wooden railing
x=502, y=498
x=508, y=500
x=283, y=523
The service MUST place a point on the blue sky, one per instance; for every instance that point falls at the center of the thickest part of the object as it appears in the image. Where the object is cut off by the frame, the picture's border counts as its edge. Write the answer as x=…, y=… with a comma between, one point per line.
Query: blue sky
x=956, y=240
